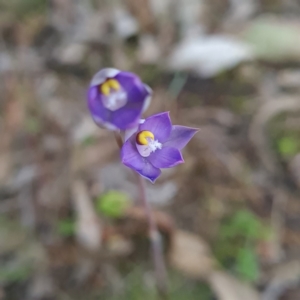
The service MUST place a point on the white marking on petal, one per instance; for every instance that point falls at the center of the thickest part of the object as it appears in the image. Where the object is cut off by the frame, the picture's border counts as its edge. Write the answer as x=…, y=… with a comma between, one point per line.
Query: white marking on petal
x=115, y=100
x=110, y=126
x=104, y=125
x=148, y=99
x=146, y=103
x=148, y=89
x=103, y=74
x=146, y=150
x=154, y=145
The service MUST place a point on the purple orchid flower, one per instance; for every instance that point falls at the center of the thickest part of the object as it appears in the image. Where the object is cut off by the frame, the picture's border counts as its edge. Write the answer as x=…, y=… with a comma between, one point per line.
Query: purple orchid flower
x=156, y=145
x=116, y=99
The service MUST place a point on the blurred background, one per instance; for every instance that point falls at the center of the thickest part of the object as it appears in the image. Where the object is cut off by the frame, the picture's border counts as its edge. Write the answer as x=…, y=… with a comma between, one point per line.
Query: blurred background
x=70, y=223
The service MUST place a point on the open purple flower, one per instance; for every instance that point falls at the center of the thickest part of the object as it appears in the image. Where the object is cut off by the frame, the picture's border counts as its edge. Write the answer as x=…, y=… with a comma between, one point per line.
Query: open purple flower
x=156, y=145
x=117, y=99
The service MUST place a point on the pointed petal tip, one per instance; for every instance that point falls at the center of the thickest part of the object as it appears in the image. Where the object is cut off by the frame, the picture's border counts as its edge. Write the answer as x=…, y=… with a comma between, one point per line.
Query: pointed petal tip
x=190, y=128
x=159, y=124
x=179, y=162
x=160, y=114
x=180, y=136
x=154, y=175
x=196, y=130
x=153, y=178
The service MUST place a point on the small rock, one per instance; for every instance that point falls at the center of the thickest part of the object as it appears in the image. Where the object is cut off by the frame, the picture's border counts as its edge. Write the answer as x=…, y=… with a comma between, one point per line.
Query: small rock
x=149, y=51
x=226, y=287
x=125, y=24
x=72, y=54
x=191, y=255
x=273, y=39
x=210, y=55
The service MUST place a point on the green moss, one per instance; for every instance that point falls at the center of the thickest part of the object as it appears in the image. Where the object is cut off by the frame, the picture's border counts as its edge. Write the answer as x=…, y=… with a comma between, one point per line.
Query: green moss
x=23, y=8
x=66, y=227
x=150, y=74
x=288, y=146
x=113, y=204
x=88, y=141
x=15, y=273
x=33, y=125
x=236, y=243
x=137, y=287
x=238, y=104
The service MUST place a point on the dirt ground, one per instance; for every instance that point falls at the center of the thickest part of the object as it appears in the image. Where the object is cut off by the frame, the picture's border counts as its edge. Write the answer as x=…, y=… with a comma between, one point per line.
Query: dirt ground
x=71, y=226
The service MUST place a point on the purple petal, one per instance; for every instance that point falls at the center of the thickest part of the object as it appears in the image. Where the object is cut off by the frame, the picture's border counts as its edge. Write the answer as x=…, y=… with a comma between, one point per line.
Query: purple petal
x=103, y=74
x=160, y=125
x=167, y=157
x=133, y=85
x=129, y=132
x=96, y=107
x=132, y=159
x=105, y=125
x=180, y=136
x=125, y=118
x=137, y=95
x=136, y=90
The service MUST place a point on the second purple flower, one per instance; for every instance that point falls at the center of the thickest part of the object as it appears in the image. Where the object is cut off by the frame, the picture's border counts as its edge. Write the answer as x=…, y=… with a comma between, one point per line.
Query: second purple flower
x=116, y=99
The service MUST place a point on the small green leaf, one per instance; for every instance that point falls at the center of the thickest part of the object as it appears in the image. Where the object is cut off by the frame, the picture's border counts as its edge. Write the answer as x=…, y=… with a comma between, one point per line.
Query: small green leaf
x=247, y=264
x=243, y=228
x=15, y=273
x=33, y=125
x=288, y=146
x=22, y=8
x=247, y=224
x=242, y=223
x=113, y=204
x=66, y=227
x=88, y=141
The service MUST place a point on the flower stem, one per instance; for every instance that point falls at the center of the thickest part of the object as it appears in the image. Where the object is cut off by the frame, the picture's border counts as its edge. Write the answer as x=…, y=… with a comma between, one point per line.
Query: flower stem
x=118, y=139
x=156, y=243
x=154, y=235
